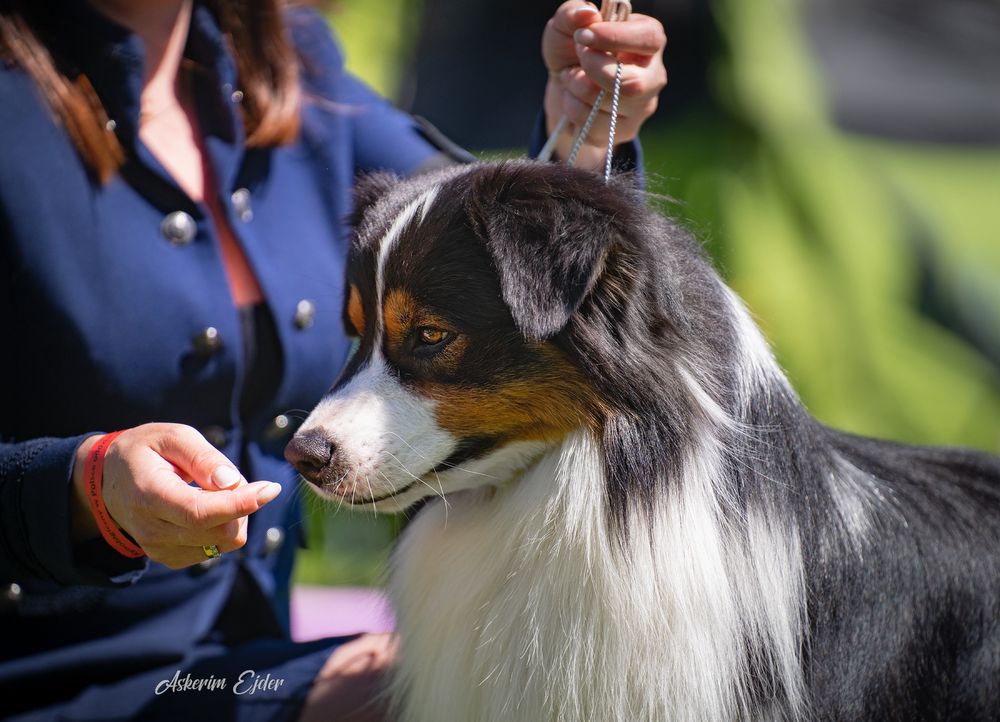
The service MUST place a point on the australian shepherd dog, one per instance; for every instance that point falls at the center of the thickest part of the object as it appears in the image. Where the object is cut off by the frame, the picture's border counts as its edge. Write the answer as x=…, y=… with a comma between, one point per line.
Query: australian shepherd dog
x=624, y=511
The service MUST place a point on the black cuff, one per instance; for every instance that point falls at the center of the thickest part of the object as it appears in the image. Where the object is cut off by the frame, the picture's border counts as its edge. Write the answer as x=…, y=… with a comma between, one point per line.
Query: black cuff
x=35, y=506
x=627, y=157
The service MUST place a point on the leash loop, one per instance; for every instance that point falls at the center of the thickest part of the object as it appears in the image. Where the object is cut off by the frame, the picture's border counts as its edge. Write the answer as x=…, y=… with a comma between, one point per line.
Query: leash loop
x=611, y=11
x=614, y=11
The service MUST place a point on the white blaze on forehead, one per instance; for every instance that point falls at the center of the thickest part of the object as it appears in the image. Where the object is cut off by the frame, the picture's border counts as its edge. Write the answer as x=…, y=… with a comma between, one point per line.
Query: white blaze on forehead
x=422, y=203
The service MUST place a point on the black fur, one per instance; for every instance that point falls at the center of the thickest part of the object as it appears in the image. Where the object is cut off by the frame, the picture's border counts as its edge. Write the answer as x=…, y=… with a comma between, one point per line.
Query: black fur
x=903, y=616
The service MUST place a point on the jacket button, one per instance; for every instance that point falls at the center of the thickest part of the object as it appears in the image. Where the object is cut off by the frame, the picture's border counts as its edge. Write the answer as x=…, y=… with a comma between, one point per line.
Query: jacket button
x=202, y=567
x=179, y=228
x=280, y=429
x=273, y=540
x=305, y=314
x=207, y=342
x=241, y=204
x=12, y=592
x=215, y=435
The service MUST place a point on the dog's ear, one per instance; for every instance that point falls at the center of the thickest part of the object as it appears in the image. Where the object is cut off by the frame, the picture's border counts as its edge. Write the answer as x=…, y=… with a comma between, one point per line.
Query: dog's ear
x=549, y=229
x=367, y=190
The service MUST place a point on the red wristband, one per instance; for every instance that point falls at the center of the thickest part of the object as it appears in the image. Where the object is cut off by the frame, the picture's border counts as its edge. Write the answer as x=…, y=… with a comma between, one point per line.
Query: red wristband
x=93, y=474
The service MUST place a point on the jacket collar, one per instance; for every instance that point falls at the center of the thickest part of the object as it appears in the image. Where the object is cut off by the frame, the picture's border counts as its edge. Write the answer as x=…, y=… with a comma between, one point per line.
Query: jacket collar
x=112, y=57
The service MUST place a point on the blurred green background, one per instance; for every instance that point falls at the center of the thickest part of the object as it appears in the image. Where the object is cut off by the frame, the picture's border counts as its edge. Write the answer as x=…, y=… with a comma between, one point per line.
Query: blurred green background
x=871, y=263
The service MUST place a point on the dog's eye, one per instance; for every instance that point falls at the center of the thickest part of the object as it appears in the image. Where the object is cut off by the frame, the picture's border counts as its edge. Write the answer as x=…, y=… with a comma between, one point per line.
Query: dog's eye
x=432, y=336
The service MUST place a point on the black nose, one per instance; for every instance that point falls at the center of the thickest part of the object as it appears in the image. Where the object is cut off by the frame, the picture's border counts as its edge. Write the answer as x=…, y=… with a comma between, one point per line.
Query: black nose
x=310, y=453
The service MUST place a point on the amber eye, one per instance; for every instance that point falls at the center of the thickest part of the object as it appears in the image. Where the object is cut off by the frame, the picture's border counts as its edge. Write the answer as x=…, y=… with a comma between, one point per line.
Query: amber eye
x=432, y=336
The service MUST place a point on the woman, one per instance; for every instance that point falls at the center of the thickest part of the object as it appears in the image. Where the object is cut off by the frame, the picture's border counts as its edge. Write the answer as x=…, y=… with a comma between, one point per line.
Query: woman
x=173, y=180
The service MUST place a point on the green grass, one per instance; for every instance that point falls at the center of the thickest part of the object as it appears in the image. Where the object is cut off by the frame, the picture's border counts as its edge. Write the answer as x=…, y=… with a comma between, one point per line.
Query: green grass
x=348, y=548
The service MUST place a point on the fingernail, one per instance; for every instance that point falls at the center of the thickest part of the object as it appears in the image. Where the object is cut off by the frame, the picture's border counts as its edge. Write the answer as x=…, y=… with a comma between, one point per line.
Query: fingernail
x=586, y=9
x=584, y=36
x=226, y=477
x=268, y=493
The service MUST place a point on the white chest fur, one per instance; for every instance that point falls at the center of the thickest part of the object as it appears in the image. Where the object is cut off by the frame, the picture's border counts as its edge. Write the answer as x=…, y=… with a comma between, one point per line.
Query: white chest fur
x=519, y=605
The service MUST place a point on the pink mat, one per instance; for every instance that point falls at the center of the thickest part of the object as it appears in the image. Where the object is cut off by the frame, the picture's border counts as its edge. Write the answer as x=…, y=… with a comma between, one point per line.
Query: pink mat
x=335, y=611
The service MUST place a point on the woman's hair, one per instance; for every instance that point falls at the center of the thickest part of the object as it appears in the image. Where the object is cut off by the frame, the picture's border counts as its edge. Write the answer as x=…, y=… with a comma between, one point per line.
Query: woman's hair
x=265, y=59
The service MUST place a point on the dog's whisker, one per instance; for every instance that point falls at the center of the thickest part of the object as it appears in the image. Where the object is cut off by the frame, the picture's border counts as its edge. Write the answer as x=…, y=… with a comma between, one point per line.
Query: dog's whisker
x=371, y=495
x=450, y=466
x=392, y=493
x=441, y=493
x=417, y=478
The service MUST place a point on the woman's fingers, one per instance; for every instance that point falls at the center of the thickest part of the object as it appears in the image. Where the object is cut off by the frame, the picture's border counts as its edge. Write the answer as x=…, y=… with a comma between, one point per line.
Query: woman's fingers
x=177, y=547
x=637, y=82
x=558, y=45
x=146, y=493
x=362, y=654
x=176, y=557
x=228, y=537
x=192, y=508
x=640, y=35
x=634, y=89
x=351, y=684
x=197, y=459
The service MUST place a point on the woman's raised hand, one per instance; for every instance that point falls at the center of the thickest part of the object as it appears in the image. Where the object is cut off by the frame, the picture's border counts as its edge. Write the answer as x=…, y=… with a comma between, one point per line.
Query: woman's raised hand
x=581, y=53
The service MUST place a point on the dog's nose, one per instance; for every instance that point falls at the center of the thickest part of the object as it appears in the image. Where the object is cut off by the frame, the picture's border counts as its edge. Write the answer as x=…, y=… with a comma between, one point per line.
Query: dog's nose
x=310, y=453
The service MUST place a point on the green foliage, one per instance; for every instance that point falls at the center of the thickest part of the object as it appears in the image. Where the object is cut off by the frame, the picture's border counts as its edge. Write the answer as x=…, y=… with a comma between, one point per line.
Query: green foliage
x=377, y=39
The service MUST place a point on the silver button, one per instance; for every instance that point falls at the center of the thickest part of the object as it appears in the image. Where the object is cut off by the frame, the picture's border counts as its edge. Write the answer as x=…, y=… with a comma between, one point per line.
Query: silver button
x=241, y=204
x=111, y=126
x=179, y=228
x=305, y=314
x=279, y=429
x=237, y=96
x=273, y=539
x=13, y=593
x=207, y=341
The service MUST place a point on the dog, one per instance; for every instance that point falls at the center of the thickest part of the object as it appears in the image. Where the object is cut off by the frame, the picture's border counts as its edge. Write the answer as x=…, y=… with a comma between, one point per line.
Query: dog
x=625, y=512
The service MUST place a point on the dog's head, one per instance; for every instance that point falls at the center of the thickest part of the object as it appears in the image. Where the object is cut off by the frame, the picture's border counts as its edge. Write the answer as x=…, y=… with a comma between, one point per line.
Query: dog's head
x=472, y=296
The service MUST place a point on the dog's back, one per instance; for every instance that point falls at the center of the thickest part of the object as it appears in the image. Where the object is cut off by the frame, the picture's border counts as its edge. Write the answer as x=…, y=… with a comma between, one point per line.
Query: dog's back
x=905, y=585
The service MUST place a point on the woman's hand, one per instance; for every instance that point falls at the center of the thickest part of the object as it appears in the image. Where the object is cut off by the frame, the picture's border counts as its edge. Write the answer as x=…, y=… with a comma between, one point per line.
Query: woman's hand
x=581, y=53
x=352, y=684
x=146, y=492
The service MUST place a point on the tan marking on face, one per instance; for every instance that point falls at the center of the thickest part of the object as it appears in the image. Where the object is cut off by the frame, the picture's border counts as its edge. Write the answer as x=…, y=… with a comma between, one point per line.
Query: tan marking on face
x=547, y=401
x=355, y=311
x=548, y=398
x=401, y=314
x=398, y=313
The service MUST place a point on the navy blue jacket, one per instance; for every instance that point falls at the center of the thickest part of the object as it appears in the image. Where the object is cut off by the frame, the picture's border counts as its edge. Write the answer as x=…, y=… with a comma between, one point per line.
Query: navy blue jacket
x=103, y=308
x=102, y=314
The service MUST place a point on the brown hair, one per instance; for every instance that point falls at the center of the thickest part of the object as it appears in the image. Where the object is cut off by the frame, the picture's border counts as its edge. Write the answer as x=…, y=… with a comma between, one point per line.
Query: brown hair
x=265, y=59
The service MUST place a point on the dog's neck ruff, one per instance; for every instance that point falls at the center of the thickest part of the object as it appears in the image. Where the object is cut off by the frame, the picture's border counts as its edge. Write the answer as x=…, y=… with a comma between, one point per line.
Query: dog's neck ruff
x=521, y=604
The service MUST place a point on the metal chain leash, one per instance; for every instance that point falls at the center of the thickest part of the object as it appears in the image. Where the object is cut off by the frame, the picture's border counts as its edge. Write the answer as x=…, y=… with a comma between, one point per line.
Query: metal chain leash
x=615, y=94
x=611, y=11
